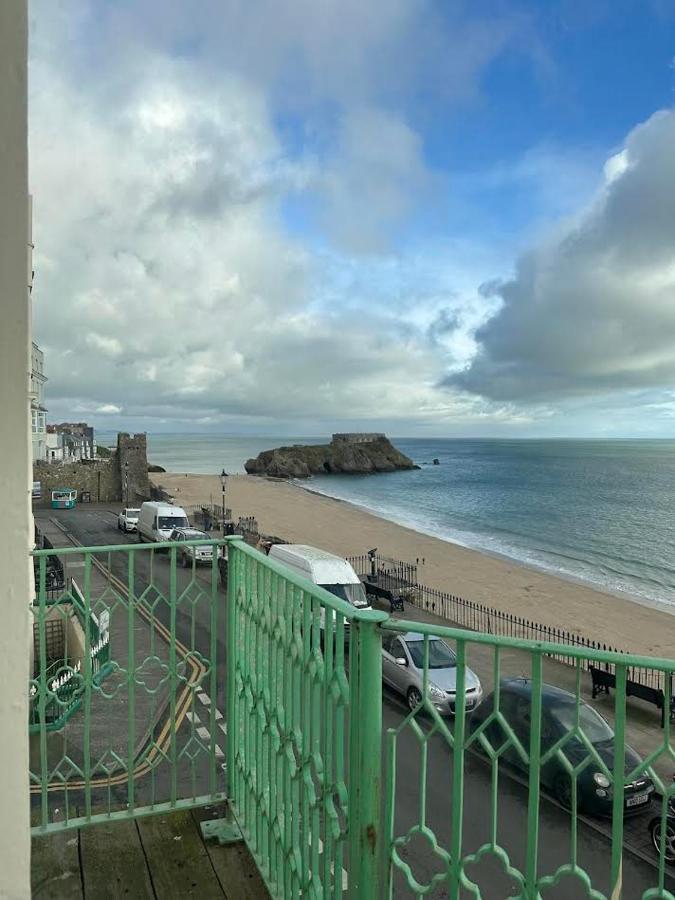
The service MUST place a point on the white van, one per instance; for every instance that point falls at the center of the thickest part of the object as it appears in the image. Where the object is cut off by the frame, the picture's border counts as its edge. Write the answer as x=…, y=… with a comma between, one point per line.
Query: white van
x=156, y=521
x=333, y=573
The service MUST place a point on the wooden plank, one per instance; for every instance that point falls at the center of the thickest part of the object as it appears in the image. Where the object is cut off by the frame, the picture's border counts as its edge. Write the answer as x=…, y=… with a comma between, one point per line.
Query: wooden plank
x=55, y=867
x=113, y=862
x=233, y=864
x=178, y=861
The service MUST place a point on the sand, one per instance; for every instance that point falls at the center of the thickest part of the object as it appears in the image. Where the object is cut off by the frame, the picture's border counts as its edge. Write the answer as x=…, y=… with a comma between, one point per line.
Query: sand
x=300, y=516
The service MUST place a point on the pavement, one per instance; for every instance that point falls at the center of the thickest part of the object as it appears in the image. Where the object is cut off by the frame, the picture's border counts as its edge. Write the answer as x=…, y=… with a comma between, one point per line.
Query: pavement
x=96, y=526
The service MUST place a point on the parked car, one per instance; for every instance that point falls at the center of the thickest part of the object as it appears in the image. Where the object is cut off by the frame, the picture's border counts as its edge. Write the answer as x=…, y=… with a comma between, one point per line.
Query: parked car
x=403, y=671
x=655, y=832
x=331, y=572
x=128, y=519
x=187, y=554
x=156, y=521
x=558, y=718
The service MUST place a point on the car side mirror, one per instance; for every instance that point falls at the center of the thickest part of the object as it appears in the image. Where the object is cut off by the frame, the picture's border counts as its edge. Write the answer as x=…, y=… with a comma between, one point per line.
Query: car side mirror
x=401, y=661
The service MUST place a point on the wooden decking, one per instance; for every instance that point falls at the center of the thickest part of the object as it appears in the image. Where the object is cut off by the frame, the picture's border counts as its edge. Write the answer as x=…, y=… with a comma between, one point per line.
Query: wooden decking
x=162, y=857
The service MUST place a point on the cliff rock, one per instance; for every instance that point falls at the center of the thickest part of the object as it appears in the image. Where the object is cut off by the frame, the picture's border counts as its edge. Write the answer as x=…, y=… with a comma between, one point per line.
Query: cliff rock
x=339, y=457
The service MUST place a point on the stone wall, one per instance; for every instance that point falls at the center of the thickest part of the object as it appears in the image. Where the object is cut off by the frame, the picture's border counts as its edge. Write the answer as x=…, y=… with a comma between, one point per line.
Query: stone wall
x=101, y=478
x=120, y=478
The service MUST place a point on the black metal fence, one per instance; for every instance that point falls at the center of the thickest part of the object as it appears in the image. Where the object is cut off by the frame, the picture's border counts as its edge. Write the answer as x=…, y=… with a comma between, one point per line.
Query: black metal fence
x=400, y=578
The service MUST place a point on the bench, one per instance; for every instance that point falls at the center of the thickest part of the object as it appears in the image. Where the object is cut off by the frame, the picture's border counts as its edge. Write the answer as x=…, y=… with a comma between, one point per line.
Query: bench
x=602, y=681
x=374, y=590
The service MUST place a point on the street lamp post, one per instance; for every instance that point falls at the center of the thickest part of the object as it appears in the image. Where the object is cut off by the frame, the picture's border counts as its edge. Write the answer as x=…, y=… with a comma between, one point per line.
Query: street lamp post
x=126, y=483
x=223, y=476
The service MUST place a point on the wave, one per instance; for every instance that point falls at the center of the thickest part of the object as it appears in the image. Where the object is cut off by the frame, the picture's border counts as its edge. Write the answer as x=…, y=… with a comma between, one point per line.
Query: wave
x=597, y=569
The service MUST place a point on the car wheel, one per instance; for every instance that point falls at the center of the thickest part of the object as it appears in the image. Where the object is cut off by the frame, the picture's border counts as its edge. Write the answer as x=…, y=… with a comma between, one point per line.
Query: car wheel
x=562, y=788
x=669, y=844
x=414, y=698
x=184, y=561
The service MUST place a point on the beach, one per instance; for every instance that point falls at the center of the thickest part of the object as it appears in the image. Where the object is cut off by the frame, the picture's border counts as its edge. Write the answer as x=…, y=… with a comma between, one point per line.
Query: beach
x=298, y=515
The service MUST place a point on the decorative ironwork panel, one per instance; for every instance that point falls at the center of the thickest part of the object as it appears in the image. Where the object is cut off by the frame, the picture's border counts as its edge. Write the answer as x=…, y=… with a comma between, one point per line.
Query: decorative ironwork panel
x=304, y=707
x=127, y=705
x=472, y=820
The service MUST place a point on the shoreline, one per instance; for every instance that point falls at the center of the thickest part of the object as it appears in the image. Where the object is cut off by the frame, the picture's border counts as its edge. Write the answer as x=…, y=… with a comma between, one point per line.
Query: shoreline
x=302, y=515
x=648, y=602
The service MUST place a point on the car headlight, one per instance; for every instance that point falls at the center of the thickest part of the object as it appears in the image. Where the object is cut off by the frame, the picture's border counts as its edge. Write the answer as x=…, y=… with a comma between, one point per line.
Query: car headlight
x=601, y=779
x=436, y=692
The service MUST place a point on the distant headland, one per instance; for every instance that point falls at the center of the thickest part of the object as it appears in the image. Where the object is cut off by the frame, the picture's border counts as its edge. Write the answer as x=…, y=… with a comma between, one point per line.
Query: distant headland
x=356, y=453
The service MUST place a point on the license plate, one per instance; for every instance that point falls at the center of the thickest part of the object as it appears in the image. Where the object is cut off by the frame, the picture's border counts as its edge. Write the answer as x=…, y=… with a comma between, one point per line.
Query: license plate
x=637, y=799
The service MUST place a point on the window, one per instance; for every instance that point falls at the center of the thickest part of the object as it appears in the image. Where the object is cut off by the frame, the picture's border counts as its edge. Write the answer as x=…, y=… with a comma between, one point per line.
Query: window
x=352, y=593
x=593, y=725
x=387, y=641
x=166, y=523
x=440, y=655
x=397, y=650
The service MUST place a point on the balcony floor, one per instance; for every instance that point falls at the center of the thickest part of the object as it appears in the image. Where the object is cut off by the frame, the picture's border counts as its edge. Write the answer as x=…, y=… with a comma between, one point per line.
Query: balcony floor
x=161, y=857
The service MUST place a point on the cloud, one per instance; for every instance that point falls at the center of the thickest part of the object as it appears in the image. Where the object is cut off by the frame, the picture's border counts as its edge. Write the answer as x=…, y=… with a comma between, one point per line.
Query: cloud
x=591, y=310
x=168, y=286
x=108, y=346
x=378, y=178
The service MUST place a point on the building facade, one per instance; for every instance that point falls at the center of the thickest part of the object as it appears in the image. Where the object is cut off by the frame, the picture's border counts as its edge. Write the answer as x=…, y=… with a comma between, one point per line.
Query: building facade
x=70, y=442
x=38, y=410
x=15, y=346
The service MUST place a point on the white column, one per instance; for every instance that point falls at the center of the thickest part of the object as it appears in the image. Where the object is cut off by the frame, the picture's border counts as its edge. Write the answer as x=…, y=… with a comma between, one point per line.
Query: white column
x=15, y=453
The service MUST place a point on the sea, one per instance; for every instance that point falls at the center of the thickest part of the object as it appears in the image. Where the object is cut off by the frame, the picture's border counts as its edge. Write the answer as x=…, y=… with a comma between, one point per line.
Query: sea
x=598, y=511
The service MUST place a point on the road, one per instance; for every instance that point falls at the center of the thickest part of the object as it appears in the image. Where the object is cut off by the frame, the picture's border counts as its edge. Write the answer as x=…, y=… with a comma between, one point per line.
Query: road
x=96, y=526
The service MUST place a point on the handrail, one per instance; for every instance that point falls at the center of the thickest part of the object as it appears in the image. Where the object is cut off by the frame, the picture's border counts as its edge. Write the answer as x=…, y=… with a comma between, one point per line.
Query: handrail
x=544, y=647
x=327, y=599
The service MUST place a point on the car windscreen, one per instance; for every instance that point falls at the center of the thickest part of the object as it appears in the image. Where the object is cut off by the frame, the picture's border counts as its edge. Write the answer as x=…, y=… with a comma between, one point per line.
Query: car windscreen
x=132, y=513
x=440, y=655
x=593, y=725
x=166, y=523
x=352, y=593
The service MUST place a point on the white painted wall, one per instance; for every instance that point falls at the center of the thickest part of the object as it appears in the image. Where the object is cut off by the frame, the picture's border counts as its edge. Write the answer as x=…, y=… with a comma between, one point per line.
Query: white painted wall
x=15, y=452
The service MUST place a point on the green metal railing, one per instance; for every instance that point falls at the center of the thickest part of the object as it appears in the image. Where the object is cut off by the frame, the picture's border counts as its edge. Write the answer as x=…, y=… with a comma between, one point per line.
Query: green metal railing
x=517, y=726
x=283, y=681
x=304, y=739
x=62, y=673
x=134, y=692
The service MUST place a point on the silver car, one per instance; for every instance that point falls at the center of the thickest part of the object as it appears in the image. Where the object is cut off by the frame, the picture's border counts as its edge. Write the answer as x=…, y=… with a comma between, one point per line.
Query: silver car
x=187, y=555
x=403, y=670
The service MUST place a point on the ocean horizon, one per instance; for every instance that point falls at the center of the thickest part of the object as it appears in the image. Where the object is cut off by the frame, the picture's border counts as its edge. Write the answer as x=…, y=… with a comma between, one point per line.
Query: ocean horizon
x=598, y=511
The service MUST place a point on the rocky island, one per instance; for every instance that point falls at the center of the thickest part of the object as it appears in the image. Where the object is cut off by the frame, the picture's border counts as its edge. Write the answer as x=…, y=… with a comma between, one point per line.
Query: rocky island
x=347, y=454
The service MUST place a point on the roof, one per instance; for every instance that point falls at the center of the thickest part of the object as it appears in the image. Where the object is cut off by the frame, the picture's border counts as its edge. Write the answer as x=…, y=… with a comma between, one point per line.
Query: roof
x=192, y=531
x=311, y=554
x=416, y=636
x=325, y=567
x=523, y=687
x=161, y=504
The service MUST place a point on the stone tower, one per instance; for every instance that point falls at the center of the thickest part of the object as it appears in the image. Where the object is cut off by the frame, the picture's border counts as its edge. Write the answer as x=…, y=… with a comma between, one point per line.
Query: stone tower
x=132, y=458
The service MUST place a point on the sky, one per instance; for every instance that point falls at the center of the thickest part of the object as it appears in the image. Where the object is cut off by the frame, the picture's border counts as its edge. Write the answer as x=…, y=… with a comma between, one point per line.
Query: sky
x=427, y=217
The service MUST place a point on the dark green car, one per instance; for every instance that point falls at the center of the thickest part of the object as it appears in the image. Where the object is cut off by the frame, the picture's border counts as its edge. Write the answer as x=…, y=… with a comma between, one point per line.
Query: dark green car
x=558, y=718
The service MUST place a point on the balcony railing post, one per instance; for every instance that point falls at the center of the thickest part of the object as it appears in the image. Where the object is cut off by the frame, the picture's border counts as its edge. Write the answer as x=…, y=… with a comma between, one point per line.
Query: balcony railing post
x=226, y=830
x=618, y=779
x=366, y=838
